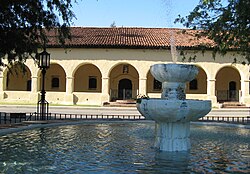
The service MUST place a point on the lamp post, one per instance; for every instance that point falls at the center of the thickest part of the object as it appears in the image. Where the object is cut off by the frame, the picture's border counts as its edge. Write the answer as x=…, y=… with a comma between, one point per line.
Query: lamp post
x=43, y=64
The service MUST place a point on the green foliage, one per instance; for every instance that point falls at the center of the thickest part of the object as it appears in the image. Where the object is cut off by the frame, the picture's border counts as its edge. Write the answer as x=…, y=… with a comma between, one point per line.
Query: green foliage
x=113, y=25
x=140, y=97
x=24, y=26
x=226, y=23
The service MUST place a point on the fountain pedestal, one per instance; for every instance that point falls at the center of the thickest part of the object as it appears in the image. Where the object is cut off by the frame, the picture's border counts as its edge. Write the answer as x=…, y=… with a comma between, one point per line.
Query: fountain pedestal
x=172, y=136
x=173, y=112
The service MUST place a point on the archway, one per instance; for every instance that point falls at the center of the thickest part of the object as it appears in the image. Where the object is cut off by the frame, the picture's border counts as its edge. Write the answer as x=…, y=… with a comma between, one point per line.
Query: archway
x=153, y=85
x=55, y=79
x=125, y=89
x=87, y=78
x=123, y=77
x=18, y=78
x=199, y=84
x=227, y=84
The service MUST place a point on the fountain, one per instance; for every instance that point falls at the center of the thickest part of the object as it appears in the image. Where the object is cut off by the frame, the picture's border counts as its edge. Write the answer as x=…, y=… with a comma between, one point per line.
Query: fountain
x=172, y=112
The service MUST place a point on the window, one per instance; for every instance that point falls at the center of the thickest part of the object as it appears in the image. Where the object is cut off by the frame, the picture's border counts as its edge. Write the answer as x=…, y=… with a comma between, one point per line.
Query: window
x=193, y=85
x=92, y=82
x=55, y=82
x=157, y=85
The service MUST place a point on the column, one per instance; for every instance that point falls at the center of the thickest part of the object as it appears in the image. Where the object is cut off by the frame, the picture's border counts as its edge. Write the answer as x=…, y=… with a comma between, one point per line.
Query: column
x=244, y=93
x=1, y=87
x=69, y=96
x=34, y=95
x=69, y=85
x=105, y=97
x=142, y=86
x=34, y=84
x=211, y=91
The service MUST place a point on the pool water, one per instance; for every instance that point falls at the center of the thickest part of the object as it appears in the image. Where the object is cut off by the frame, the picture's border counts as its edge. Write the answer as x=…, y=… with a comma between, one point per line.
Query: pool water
x=122, y=148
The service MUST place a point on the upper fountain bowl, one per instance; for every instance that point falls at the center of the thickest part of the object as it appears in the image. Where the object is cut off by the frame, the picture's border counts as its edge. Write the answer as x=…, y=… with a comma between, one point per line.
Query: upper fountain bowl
x=174, y=72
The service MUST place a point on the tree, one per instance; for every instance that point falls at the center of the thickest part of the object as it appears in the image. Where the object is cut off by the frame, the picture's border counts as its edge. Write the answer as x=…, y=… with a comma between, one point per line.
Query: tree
x=24, y=26
x=113, y=25
x=226, y=23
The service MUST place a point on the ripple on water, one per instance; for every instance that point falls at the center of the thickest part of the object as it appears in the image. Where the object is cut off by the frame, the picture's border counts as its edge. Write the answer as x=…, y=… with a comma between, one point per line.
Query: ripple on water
x=122, y=148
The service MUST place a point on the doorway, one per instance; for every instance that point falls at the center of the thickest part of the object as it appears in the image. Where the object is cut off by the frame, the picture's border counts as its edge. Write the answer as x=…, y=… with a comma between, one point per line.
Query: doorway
x=125, y=89
x=232, y=91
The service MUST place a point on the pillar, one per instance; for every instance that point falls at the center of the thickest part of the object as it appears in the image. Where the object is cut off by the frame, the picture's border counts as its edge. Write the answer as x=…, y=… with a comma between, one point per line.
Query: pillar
x=142, y=86
x=34, y=84
x=69, y=96
x=244, y=93
x=35, y=93
x=211, y=91
x=105, y=90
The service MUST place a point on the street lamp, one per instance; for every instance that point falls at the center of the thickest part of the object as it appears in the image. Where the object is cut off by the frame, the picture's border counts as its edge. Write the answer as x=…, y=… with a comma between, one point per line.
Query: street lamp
x=43, y=64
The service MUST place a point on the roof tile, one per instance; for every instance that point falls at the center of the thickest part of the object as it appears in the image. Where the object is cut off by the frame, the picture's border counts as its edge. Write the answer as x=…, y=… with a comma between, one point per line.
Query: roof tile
x=122, y=37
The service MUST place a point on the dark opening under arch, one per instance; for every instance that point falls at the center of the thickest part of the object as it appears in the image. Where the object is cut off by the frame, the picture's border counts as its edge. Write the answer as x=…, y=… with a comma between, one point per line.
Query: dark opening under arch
x=232, y=90
x=125, y=89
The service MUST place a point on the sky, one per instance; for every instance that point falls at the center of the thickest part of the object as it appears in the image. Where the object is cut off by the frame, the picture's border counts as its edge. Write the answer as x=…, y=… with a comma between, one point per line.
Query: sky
x=131, y=13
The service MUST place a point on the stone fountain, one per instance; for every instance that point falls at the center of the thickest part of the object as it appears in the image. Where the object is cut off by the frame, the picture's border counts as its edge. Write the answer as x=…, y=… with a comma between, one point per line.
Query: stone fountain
x=172, y=112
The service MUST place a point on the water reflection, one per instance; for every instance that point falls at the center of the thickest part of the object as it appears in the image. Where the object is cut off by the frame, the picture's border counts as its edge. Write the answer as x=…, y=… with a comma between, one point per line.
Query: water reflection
x=171, y=162
x=122, y=148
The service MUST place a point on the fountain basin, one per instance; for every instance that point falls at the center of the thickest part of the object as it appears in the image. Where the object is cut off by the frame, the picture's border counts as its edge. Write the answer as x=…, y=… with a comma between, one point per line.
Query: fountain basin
x=162, y=110
x=174, y=78
x=174, y=72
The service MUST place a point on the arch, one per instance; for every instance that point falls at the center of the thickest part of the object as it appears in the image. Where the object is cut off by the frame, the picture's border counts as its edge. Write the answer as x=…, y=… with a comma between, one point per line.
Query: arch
x=76, y=68
x=227, y=84
x=115, y=66
x=18, y=78
x=153, y=85
x=199, y=84
x=55, y=79
x=87, y=78
x=119, y=72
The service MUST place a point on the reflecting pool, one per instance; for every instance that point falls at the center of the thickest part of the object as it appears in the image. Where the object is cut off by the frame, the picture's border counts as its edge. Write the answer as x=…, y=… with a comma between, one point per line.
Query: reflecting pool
x=122, y=147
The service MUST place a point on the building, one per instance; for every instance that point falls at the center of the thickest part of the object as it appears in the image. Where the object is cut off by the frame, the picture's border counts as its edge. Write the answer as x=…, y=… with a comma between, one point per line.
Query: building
x=101, y=65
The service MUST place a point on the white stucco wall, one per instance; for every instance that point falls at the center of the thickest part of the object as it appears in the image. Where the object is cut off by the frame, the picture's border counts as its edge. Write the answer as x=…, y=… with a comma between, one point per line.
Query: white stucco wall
x=106, y=60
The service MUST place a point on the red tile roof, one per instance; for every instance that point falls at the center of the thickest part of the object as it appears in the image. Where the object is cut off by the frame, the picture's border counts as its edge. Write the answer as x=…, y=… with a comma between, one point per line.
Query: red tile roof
x=121, y=37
